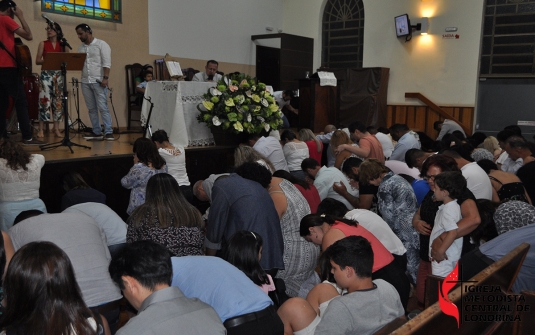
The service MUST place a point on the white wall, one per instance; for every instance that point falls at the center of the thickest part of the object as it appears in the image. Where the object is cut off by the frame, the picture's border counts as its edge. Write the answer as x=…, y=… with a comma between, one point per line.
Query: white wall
x=211, y=29
x=443, y=70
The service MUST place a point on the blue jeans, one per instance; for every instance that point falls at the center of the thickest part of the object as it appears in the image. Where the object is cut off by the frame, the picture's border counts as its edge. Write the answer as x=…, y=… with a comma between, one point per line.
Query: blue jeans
x=96, y=98
x=285, y=122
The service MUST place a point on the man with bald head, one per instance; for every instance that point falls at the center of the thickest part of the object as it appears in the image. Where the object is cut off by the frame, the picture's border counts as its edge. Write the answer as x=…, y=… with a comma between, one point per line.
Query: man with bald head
x=202, y=189
x=210, y=74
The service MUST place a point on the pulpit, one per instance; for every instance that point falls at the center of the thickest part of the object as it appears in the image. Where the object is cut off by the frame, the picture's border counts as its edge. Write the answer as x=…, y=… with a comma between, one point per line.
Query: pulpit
x=317, y=104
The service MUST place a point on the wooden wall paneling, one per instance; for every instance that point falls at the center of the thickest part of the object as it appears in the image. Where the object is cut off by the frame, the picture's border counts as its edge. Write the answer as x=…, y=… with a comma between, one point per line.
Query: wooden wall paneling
x=411, y=114
x=422, y=118
x=389, y=115
x=431, y=119
x=401, y=115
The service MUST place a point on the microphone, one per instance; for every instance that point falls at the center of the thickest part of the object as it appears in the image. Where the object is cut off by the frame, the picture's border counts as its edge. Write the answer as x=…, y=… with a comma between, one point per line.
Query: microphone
x=64, y=43
x=210, y=77
x=47, y=19
x=99, y=82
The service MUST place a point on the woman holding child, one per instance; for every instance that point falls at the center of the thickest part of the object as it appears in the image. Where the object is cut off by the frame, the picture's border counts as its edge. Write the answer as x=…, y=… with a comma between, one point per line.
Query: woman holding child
x=424, y=219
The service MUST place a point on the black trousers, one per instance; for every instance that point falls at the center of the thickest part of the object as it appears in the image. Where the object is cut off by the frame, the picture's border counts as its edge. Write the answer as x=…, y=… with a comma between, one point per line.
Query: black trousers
x=11, y=85
x=270, y=324
x=110, y=312
x=395, y=275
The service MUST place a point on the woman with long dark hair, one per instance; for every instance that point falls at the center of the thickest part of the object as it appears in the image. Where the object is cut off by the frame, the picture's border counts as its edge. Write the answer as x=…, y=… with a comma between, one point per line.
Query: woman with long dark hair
x=42, y=296
x=168, y=218
x=175, y=159
x=244, y=252
x=50, y=81
x=147, y=163
x=20, y=179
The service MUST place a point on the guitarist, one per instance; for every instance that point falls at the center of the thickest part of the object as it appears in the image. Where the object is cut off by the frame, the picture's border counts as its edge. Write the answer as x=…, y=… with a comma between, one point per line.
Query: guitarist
x=10, y=79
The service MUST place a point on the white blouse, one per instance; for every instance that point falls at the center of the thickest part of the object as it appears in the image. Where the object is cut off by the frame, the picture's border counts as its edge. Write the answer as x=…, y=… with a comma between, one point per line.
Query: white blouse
x=176, y=163
x=17, y=185
x=295, y=153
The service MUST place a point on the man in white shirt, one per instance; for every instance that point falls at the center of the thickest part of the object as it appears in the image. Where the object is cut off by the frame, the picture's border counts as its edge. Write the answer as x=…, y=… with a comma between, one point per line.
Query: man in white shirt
x=384, y=138
x=210, y=73
x=406, y=139
x=95, y=75
x=113, y=226
x=477, y=180
x=271, y=149
x=447, y=127
x=324, y=178
x=283, y=100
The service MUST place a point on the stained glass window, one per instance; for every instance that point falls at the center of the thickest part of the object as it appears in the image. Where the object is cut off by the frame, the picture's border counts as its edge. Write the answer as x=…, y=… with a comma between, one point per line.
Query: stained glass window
x=343, y=34
x=105, y=10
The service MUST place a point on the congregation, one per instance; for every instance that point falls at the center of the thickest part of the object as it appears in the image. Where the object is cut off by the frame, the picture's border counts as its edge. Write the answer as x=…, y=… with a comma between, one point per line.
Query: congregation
x=293, y=242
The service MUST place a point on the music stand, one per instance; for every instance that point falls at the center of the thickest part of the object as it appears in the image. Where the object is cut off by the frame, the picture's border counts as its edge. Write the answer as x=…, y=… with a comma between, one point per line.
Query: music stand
x=64, y=61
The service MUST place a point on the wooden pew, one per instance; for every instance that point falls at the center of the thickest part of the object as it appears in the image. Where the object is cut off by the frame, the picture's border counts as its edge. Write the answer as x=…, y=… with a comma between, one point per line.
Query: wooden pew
x=432, y=284
x=469, y=297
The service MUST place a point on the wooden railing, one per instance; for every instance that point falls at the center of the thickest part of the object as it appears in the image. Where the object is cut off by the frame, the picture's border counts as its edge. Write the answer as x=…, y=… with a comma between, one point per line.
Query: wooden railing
x=437, y=109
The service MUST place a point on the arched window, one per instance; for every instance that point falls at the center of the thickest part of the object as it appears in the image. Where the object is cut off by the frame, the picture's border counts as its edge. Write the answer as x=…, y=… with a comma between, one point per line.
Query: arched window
x=105, y=10
x=343, y=34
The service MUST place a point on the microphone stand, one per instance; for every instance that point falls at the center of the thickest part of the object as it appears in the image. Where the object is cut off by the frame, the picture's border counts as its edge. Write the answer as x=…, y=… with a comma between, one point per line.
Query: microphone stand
x=147, y=125
x=81, y=125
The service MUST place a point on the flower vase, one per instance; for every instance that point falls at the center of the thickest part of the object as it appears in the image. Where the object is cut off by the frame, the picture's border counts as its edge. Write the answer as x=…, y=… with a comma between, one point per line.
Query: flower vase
x=226, y=137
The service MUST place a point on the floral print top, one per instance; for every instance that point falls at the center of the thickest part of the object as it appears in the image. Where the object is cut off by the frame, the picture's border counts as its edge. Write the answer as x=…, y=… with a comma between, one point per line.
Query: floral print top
x=179, y=240
x=136, y=180
x=397, y=204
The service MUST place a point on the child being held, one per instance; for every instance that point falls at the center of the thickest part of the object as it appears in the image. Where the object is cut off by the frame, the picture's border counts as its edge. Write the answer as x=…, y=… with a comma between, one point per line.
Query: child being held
x=141, y=87
x=448, y=186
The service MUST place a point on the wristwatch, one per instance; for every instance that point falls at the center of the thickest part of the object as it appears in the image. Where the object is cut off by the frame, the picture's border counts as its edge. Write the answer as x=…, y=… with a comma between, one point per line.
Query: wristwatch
x=105, y=77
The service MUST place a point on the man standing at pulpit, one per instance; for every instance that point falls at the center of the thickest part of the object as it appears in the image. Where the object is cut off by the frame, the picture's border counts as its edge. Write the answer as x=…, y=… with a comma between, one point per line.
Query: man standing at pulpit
x=210, y=73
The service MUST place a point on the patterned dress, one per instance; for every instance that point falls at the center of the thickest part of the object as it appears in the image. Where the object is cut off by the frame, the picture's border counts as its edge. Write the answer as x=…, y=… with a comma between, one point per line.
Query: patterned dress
x=300, y=256
x=397, y=204
x=180, y=241
x=136, y=180
x=51, y=89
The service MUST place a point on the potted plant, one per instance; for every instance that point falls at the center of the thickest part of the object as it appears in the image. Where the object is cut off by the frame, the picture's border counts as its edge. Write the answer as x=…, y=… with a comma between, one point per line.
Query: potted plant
x=239, y=104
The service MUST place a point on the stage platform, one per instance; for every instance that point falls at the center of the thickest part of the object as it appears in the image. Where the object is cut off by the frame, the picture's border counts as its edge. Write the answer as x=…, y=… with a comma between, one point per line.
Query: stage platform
x=107, y=162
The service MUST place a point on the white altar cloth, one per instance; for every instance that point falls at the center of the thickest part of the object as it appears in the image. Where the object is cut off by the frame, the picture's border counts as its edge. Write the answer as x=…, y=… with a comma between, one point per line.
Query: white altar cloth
x=175, y=111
